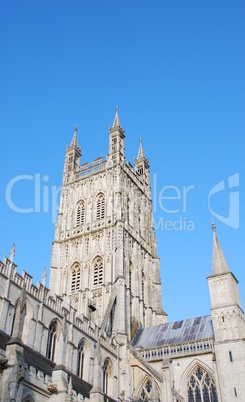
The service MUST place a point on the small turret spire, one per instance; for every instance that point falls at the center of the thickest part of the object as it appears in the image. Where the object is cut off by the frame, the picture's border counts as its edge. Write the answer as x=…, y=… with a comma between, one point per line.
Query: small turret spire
x=140, y=151
x=74, y=138
x=116, y=122
x=219, y=262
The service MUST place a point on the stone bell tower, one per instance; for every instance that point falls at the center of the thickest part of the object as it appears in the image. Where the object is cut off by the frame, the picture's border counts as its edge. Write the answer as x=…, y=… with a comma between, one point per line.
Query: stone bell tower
x=104, y=257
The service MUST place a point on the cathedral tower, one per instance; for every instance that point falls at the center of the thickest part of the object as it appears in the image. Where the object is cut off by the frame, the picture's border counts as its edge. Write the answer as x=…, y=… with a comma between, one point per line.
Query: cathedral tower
x=104, y=259
x=229, y=328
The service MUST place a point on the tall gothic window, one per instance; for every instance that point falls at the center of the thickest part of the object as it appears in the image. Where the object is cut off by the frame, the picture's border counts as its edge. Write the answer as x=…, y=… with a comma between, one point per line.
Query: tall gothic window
x=201, y=387
x=75, y=277
x=51, y=343
x=98, y=271
x=80, y=213
x=106, y=370
x=100, y=206
x=80, y=359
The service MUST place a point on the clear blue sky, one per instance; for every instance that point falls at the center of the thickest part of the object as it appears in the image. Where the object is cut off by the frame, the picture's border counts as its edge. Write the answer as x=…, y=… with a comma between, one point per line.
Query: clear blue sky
x=176, y=71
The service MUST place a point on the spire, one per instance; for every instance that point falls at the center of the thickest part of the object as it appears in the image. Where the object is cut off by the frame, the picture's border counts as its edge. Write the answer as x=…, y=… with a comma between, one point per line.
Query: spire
x=116, y=122
x=74, y=138
x=140, y=151
x=219, y=262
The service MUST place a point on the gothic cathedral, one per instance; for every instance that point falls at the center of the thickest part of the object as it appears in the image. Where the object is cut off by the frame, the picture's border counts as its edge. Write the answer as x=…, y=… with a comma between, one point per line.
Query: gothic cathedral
x=98, y=332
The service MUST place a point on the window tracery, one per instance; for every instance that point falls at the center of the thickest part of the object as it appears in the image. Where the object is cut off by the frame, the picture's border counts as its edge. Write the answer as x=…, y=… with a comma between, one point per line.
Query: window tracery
x=149, y=392
x=201, y=387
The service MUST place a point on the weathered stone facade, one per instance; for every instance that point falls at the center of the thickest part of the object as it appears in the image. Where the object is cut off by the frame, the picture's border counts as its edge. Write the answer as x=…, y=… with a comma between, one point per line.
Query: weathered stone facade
x=99, y=332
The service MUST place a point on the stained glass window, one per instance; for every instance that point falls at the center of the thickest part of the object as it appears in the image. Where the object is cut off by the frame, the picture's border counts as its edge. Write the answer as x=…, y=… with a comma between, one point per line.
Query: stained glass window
x=201, y=387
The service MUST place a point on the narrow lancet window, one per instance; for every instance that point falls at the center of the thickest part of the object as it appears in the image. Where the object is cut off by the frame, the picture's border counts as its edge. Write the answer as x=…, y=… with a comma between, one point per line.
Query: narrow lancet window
x=51, y=343
x=80, y=359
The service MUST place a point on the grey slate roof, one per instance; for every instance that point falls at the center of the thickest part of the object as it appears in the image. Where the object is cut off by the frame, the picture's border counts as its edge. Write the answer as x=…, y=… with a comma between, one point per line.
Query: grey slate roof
x=192, y=329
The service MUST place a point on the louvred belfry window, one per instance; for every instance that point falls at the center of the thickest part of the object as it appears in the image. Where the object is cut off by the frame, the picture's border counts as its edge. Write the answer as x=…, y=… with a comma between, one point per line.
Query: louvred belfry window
x=80, y=213
x=98, y=271
x=100, y=207
x=75, y=277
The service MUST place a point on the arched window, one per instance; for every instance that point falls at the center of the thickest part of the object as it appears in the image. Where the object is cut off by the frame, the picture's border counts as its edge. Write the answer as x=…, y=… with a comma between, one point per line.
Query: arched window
x=75, y=277
x=105, y=376
x=201, y=387
x=52, y=335
x=98, y=271
x=80, y=359
x=80, y=213
x=149, y=392
x=100, y=206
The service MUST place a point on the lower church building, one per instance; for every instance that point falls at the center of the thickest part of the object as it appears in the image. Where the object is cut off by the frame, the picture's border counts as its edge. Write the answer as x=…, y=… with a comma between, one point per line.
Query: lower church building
x=98, y=331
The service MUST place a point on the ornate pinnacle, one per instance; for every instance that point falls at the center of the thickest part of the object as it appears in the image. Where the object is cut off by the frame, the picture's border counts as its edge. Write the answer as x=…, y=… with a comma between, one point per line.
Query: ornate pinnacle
x=213, y=227
x=12, y=252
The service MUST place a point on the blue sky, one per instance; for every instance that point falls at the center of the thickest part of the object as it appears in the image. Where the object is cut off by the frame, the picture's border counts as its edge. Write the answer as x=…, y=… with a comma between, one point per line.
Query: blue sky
x=176, y=71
